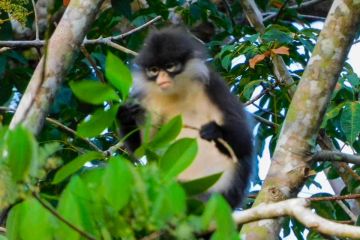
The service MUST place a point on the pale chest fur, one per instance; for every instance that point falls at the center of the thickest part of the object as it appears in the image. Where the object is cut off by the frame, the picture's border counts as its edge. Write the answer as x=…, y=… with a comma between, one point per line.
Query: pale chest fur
x=196, y=110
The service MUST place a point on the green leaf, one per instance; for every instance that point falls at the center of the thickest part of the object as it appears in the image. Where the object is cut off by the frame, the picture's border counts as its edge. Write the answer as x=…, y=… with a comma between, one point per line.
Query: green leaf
x=250, y=87
x=93, y=92
x=200, y=185
x=13, y=222
x=22, y=148
x=118, y=74
x=218, y=210
x=167, y=133
x=37, y=222
x=75, y=205
x=226, y=62
x=349, y=121
x=74, y=165
x=178, y=157
x=117, y=183
x=170, y=202
x=98, y=122
x=333, y=112
x=273, y=34
x=122, y=7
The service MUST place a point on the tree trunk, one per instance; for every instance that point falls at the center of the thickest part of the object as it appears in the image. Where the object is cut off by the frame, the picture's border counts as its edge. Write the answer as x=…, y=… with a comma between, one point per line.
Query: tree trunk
x=289, y=168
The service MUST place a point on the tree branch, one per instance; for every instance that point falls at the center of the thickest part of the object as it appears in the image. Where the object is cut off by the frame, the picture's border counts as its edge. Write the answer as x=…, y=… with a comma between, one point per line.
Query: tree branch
x=297, y=208
x=36, y=20
x=254, y=17
x=289, y=165
x=333, y=156
x=100, y=40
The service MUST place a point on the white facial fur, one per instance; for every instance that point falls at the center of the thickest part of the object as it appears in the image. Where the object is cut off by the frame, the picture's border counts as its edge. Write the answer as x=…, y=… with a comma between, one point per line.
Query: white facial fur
x=195, y=69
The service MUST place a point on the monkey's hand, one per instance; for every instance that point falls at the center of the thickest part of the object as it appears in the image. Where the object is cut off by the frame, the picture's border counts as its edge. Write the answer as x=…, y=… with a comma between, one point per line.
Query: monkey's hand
x=128, y=112
x=211, y=131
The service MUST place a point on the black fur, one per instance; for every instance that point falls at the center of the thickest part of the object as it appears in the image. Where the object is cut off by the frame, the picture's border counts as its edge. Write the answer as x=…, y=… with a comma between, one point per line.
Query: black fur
x=169, y=45
x=237, y=133
x=174, y=44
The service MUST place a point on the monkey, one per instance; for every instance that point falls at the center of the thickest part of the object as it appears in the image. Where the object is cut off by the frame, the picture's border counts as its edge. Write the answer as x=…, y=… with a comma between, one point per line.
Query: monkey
x=171, y=78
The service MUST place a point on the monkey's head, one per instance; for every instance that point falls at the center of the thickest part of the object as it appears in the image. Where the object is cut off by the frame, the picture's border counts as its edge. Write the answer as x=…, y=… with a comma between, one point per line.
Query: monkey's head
x=170, y=58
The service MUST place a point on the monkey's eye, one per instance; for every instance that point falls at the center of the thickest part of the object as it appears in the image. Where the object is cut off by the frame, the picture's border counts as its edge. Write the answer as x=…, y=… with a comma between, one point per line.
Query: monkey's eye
x=173, y=67
x=152, y=71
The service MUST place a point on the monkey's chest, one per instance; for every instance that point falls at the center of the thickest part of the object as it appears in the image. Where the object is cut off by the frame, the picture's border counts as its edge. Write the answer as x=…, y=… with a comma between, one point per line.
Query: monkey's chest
x=196, y=112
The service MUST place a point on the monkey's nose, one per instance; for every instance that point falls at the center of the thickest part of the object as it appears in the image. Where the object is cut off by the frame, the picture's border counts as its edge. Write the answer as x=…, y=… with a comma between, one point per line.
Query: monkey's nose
x=163, y=80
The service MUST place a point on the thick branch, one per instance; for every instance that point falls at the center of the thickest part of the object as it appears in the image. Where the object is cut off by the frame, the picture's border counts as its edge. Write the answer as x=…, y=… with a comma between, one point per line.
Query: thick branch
x=336, y=157
x=297, y=208
x=289, y=167
x=62, y=46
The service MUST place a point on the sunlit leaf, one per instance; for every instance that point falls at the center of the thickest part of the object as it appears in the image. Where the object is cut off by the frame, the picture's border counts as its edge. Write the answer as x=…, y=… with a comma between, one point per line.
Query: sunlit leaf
x=169, y=203
x=218, y=210
x=22, y=152
x=167, y=133
x=98, y=122
x=75, y=206
x=74, y=165
x=117, y=183
x=178, y=157
x=93, y=92
x=349, y=121
x=37, y=222
x=118, y=74
x=200, y=185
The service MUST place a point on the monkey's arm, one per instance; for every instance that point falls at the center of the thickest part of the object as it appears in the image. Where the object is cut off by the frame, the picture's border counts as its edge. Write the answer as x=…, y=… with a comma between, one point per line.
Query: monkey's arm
x=234, y=132
x=128, y=117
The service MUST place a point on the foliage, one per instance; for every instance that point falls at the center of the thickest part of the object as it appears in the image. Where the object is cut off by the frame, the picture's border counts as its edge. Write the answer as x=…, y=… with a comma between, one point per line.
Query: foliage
x=116, y=197
x=17, y=10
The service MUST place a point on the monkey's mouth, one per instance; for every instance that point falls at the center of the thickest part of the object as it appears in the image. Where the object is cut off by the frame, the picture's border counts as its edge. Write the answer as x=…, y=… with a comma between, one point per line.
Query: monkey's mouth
x=165, y=85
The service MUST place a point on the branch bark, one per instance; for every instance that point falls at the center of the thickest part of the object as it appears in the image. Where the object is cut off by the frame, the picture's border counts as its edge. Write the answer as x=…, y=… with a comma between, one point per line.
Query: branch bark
x=47, y=78
x=289, y=167
x=333, y=156
x=297, y=208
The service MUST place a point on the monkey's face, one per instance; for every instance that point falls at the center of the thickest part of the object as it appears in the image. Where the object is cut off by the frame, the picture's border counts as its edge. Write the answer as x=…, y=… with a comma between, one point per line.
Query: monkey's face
x=163, y=76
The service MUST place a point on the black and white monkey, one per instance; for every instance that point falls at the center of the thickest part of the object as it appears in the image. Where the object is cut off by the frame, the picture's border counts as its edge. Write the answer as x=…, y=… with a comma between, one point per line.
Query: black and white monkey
x=173, y=79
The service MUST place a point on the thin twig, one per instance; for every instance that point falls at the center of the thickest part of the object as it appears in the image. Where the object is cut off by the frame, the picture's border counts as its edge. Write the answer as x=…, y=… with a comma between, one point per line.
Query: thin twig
x=335, y=198
x=312, y=17
x=61, y=126
x=265, y=121
x=261, y=94
x=120, y=48
x=36, y=21
x=347, y=210
x=92, y=62
x=61, y=218
x=306, y=4
x=137, y=29
x=100, y=40
x=69, y=130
